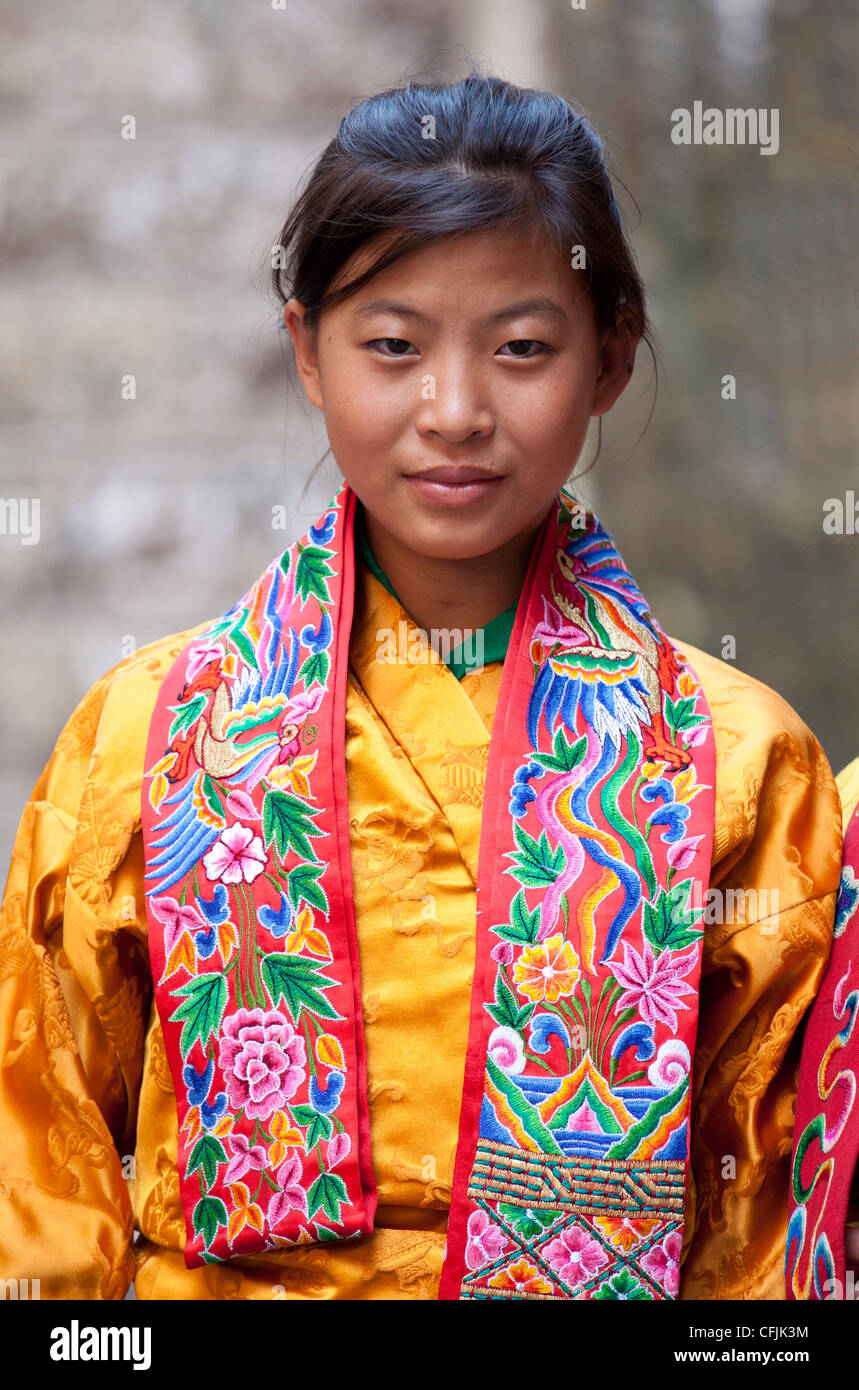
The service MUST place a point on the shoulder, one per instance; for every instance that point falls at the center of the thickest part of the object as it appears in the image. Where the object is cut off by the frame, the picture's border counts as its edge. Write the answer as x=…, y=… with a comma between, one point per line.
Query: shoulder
x=773, y=778
x=750, y=718
x=104, y=739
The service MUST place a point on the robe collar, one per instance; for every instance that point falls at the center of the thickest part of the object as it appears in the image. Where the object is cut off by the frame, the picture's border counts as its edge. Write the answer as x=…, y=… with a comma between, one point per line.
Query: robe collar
x=494, y=636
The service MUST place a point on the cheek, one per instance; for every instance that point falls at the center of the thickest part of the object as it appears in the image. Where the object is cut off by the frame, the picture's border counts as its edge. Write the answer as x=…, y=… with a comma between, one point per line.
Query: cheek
x=552, y=405
x=357, y=423
x=361, y=407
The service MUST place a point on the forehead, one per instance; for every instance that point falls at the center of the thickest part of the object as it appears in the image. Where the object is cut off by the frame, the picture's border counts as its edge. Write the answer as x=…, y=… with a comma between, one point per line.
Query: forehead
x=471, y=268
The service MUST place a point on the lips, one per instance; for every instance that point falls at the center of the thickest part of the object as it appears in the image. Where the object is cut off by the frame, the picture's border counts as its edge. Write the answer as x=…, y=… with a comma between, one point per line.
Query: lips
x=456, y=473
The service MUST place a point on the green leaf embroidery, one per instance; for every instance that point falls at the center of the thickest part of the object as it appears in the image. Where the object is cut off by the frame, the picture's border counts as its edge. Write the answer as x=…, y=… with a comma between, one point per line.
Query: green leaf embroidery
x=209, y=1214
x=328, y=1192
x=505, y=1010
x=313, y=572
x=536, y=864
x=527, y=1220
x=288, y=822
x=565, y=755
x=523, y=1016
x=186, y=715
x=200, y=1013
x=240, y=639
x=207, y=1153
x=314, y=669
x=667, y=920
x=212, y=796
x=302, y=882
x=680, y=716
x=318, y=1126
x=300, y=983
x=523, y=925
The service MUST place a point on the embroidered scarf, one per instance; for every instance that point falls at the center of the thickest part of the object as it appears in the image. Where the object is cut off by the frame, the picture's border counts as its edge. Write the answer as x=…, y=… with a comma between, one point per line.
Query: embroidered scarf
x=826, y=1129
x=594, y=861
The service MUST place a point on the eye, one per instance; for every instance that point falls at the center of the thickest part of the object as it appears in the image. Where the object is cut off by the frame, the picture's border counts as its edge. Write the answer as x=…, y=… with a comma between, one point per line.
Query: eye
x=526, y=343
x=402, y=342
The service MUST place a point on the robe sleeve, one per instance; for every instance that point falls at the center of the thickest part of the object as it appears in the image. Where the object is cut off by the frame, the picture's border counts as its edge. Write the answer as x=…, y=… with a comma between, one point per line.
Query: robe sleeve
x=74, y=995
x=778, y=829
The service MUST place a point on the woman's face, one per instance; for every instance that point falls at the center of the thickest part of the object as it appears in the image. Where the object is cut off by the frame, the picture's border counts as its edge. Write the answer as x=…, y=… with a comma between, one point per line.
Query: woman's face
x=479, y=352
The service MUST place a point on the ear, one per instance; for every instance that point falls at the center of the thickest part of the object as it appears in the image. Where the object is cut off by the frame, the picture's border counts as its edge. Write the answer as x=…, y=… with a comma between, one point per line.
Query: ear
x=617, y=359
x=304, y=341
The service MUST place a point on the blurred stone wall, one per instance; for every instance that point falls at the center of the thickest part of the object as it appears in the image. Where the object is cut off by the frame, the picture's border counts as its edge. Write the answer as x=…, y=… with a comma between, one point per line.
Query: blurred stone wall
x=142, y=257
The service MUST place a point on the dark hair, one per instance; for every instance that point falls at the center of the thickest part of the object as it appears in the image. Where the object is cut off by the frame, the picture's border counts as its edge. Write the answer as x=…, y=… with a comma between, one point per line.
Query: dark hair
x=497, y=153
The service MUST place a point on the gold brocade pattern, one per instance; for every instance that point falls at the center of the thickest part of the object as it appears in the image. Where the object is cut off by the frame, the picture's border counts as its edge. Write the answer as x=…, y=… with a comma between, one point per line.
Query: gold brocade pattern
x=84, y=1076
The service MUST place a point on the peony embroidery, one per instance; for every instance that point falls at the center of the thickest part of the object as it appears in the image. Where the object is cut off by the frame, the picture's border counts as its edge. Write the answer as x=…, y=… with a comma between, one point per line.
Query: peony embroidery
x=263, y=1059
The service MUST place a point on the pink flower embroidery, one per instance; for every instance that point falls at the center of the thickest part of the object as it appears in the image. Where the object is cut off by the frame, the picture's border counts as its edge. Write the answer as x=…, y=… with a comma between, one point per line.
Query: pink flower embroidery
x=176, y=919
x=692, y=737
x=554, y=628
x=338, y=1149
x=263, y=1060
x=485, y=1241
x=241, y=806
x=292, y=1196
x=663, y=1262
x=681, y=855
x=237, y=855
x=575, y=1255
x=201, y=656
x=244, y=1158
x=653, y=986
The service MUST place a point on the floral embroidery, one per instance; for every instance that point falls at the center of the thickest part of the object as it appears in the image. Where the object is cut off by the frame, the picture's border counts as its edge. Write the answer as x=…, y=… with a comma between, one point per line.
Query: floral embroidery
x=251, y=926
x=652, y=986
x=263, y=1061
x=485, y=1241
x=520, y=1278
x=593, y=967
x=663, y=1262
x=575, y=1255
x=547, y=971
x=826, y=1133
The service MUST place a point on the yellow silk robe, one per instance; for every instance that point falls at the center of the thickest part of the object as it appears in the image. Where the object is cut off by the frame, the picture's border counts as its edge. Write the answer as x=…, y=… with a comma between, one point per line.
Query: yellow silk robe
x=847, y=782
x=88, y=1127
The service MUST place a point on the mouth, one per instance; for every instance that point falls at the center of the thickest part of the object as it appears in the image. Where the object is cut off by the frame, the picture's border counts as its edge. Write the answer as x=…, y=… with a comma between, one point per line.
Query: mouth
x=455, y=473
x=455, y=483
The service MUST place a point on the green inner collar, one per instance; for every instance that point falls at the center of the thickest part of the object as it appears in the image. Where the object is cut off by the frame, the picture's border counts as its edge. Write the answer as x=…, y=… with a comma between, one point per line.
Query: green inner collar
x=462, y=658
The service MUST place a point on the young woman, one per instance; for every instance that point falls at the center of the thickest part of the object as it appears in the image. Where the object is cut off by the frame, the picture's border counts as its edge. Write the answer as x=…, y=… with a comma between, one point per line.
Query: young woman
x=408, y=977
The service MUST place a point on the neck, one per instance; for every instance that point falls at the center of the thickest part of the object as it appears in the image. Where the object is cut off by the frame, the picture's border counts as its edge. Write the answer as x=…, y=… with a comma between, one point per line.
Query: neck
x=453, y=593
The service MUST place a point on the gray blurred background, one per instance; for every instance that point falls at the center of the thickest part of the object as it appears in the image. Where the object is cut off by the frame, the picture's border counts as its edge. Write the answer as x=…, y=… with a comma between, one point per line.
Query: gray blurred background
x=142, y=257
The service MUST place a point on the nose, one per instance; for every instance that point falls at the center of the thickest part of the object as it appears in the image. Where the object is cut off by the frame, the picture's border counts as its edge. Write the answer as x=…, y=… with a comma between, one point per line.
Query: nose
x=454, y=404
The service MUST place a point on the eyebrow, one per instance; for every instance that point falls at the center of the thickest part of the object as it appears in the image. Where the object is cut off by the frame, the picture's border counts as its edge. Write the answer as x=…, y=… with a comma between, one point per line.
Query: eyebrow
x=539, y=305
